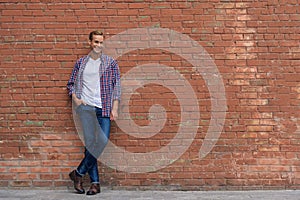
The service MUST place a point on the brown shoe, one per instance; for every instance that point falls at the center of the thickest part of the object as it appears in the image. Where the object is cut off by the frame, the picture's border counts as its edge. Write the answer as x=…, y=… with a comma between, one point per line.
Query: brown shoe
x=77, y=182
x=94, y=189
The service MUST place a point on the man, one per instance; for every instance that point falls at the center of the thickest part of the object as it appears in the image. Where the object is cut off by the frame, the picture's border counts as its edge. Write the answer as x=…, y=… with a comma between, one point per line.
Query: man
x=94, y=86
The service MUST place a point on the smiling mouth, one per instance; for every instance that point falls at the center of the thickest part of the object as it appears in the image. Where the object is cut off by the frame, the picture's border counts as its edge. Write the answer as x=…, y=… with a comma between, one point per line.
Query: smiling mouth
x=97, y=49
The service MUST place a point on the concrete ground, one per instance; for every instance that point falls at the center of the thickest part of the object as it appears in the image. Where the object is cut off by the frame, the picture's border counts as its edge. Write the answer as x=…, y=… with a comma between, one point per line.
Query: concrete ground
x=148, y=195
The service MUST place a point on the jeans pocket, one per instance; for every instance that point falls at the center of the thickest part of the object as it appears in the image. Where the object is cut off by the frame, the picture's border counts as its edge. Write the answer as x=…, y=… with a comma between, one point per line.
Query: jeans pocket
x=78, y=108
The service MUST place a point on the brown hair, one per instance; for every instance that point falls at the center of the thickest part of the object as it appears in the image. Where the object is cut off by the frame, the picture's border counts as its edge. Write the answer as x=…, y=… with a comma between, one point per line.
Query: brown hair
x=95, y=33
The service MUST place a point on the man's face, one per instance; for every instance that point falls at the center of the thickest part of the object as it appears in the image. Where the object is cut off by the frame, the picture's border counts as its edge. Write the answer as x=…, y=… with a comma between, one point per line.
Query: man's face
x=97, y=43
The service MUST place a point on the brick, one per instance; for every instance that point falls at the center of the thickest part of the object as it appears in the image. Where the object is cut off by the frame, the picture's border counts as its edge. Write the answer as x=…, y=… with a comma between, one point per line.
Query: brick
x=40, y=183
x=260, y=128
x=20, y=183
x=49, y=176
x=26, y=176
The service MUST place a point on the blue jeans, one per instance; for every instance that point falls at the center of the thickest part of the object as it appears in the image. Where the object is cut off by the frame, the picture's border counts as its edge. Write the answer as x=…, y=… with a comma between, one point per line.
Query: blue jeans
x=96, y=131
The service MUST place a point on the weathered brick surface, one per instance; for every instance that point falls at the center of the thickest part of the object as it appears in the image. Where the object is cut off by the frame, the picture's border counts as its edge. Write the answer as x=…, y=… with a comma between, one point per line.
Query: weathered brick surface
x=254, y=44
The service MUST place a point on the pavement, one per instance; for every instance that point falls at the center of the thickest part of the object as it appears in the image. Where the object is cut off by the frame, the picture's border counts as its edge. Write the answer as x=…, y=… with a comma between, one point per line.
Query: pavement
x=42, y=194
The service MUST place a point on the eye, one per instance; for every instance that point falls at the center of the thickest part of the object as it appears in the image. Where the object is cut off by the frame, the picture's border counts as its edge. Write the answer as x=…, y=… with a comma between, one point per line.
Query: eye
x=98, y=42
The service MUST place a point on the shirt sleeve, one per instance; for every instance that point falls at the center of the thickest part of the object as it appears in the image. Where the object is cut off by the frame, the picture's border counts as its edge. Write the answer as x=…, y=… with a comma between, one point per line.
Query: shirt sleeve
x=116, y=95
x=71, y=82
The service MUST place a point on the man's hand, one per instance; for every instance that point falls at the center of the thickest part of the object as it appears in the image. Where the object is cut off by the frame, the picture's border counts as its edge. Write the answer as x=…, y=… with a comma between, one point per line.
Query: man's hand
x=114, y=112
x=77, y=101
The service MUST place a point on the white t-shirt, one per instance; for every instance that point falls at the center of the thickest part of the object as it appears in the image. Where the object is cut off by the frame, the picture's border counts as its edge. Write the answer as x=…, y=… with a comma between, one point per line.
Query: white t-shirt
x=91, y=93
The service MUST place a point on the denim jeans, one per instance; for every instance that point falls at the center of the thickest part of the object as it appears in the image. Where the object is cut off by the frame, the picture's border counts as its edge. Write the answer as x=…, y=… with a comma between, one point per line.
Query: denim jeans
x=96, y=131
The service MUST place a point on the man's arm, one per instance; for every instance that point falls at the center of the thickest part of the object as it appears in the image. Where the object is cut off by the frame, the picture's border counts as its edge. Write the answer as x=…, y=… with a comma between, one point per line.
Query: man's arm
x=71, y=82
x=116, y=91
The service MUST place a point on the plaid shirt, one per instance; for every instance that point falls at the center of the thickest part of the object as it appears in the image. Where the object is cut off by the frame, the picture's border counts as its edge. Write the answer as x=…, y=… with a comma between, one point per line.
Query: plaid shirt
x=109, y=81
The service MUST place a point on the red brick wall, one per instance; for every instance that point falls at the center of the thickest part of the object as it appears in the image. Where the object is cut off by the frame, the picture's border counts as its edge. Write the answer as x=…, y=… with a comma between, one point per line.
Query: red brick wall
x=254, y=44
